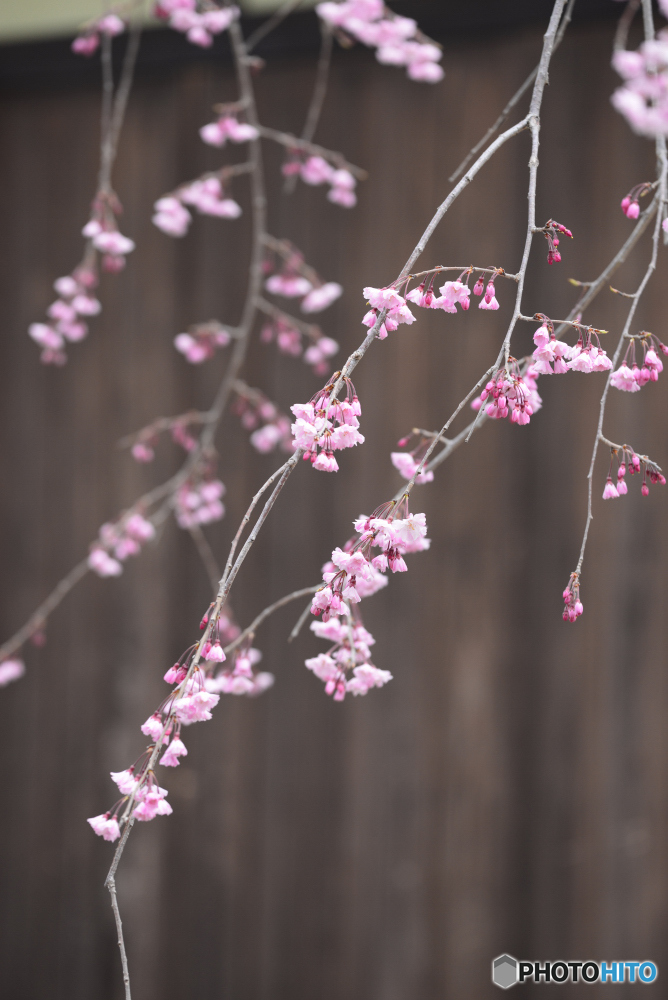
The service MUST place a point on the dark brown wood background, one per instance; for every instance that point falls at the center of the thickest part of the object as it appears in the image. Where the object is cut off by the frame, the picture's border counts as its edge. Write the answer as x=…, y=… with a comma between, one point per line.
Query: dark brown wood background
x=507, y=791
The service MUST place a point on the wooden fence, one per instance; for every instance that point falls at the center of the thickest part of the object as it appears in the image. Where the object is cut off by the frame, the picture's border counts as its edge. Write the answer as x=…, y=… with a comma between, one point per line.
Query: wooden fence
x=507, y=791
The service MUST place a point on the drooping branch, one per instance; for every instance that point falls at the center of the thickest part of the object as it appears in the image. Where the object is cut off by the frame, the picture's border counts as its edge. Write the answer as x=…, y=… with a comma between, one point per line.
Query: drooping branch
x=659, y=206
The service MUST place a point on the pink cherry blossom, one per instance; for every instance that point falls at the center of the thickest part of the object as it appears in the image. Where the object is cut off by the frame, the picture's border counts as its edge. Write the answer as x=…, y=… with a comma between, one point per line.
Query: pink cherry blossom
x=176, y=749
x=623, y=379
x=199, y=503
x=113, y=243
x=320, y=298
x=171, y=217
x=227, y=127
x=125, y=780
x=610, y=490
x=11, y=670
x=105, y=826
x=393, y=37
x=195, y=707
x=453, y=293
x=406, y=464
x=572, y=603
x=316, y=171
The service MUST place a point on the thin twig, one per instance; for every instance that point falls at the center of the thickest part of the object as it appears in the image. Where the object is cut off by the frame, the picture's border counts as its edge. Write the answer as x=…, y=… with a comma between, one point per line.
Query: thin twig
x=110, y=883
x=318, y=96
x=288, y=7
x=311, y=330
x=206, y=555
x=514, y=100
x=660, y=200
x=300, y=622
x=252, y=628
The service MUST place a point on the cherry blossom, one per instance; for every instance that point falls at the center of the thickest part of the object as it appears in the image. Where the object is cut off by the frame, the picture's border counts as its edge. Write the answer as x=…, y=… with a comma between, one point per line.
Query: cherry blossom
x=630, y=377
x=240, y=678
x=202, y=341
x=390, y=300
x=88, y=42
x=610, y=490
x=227, y=127
x=176, y=749
x=572, y=603
x=199, y=503
x=354, y=573
x=510, y=394
x=628, y=459
x=11, y=670
x=110, y=242
x=489, y=299
x=550, y=231
x=315, y=170
x=643, y=97
x=551, y=355
x=118, y=541
x=207, y=196
x=105, y=826
x=325, y=425
x=346, y=667
x=397, y=40
x=257, y=411
x=171, y=216
x=199, y=22
x=457, y=292
x=407, y=462
x=75, y=300
x=321, y=297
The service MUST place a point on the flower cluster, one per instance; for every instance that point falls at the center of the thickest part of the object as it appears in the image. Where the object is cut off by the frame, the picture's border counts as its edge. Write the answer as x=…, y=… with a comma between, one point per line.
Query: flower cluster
x=199, y=502
x=550, y=231
x=643, y=97
x=572, y=603
x=315, y=170
x=556, y=357
x=454, y=293
x=510, y=394
x=354, y=573
x=116, y=542
x=206, y=195
x=628, y=459
x=346, y=667
x=65, y=314
x=397, y=40
x=408, y=462
x=325, y=425
x=202, y=341
x=293, y=279
x=631, y=377
x=227, y=127
x=241, y=678
x=386, y=299
x=102, y=231
x=191, y=700
x=199, y=26
x=258, y=414
x=88, y=41
x=288, y=336
x=11, y=670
